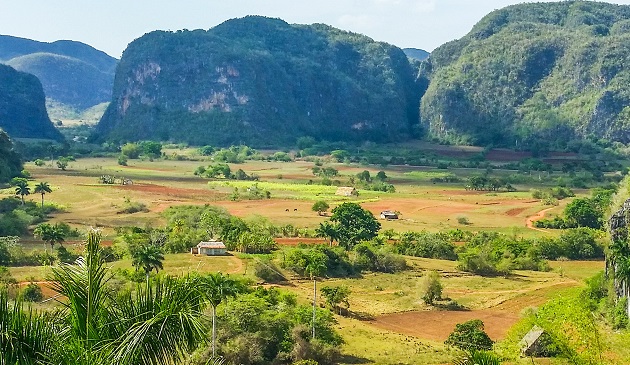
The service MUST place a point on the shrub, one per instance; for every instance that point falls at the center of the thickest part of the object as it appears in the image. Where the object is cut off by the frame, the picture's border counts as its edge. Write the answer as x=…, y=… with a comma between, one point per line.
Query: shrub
x=432, y=288
x=63, y=255
x=32, y=293
x=134, y=207
x=267, y=271
x=122, y=160
x=470, y=336
x=463, y=220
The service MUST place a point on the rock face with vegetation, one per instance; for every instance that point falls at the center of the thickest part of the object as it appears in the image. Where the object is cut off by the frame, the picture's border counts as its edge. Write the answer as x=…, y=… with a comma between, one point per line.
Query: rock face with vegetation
x=73, y=74
x=22, y=106
x=264, y=82
x=531, y=74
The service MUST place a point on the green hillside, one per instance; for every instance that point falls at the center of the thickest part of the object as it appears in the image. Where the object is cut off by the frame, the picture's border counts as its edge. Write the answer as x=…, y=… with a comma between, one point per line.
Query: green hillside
x=531, y=75
x=75, y=76
x=264, y=82
x=22, y=106
x=67, y=80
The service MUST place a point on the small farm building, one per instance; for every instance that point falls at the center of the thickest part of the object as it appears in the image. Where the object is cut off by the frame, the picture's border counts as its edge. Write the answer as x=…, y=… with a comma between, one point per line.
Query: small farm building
x=533, y=344
x=211, y=248
x=347, y=191
x=388, y=214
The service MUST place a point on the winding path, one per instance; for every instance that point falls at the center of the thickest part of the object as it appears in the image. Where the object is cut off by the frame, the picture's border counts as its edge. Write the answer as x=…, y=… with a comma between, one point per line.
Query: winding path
x=540, y=215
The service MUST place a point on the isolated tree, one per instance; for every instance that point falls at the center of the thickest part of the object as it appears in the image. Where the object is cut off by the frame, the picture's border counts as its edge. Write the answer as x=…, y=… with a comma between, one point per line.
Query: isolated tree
x=215, y=288
x=51, y=234
x=381, y=176
x=320, y=206
x=148, y=257
x=327, y=230
x=315, y=266
x=21, y=187
x=62, y=163
x=470, y=336
x=42, y=188
x=364, y=176
x=336, y=295
x=432, y=290
x=354, y=224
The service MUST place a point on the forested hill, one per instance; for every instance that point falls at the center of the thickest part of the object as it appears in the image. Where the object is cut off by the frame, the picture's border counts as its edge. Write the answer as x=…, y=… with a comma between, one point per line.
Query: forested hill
x=532, y=74
x=72, y=73
x=263, y=82
x=22, y=106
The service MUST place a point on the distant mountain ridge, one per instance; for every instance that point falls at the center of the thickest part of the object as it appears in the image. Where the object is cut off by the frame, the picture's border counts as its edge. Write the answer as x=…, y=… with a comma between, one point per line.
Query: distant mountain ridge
x=22, y=106
x=538, y=75
x=416, y=53
x=72, y=73
x=261, y=81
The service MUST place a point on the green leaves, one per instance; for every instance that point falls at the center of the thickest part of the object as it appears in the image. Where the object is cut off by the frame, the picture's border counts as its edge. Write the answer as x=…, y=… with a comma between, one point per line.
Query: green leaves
x=354, y=224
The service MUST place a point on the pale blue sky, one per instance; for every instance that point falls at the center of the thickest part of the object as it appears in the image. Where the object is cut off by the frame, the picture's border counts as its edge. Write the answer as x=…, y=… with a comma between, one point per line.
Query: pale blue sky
x=110, y=25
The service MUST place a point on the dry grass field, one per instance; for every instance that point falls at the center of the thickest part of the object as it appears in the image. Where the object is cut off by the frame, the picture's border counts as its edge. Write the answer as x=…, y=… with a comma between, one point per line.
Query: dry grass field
x=161, y=184
x=390, y=324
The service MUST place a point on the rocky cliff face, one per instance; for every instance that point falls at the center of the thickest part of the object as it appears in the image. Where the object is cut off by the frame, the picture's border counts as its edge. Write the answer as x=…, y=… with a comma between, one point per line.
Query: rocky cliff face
x=22, y=106
x=263, y=82
x=528, y=73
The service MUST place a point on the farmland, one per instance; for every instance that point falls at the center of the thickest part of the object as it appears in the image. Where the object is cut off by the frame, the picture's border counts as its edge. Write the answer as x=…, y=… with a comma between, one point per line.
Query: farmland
x=389, y=324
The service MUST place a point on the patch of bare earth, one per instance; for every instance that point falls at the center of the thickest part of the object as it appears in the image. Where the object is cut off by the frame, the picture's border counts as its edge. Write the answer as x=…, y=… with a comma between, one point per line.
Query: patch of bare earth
x=436, y=325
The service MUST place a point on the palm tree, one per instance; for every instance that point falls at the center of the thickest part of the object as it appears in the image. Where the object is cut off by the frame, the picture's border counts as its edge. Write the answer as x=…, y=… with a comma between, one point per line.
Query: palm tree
x=316, y=266
x=148, y=257
x=157, y=324
x=327, y=230
x=215, y=288
x=25, y=335
x=50, y=234
x=42, y=188
x=21, y=189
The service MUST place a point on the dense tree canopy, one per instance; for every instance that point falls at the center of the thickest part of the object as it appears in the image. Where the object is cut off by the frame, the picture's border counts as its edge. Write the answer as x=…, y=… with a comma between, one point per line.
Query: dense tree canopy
x=533, y=75
x=247, y=79
x=354, y=224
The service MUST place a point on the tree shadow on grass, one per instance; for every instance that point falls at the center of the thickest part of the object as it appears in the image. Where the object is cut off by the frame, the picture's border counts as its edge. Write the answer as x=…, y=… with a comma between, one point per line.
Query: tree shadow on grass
x=351, y=359
x=361, y=316
x=447, y=304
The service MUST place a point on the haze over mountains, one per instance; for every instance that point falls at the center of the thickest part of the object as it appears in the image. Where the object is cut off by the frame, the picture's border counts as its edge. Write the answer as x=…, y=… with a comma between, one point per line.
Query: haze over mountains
x=74, y=75
x=526, y=76
x=22, y=109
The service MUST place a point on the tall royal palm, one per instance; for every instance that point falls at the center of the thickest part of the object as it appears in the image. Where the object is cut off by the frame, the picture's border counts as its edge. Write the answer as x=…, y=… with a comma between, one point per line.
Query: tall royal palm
x=22, y=189
x=42, y=188
x=148, y=257
x=50, y=234
x=327, y=230
x=215, y=288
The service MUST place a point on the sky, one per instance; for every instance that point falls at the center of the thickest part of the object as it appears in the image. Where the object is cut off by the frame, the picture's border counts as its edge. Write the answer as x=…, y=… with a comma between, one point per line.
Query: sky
x=109, y=25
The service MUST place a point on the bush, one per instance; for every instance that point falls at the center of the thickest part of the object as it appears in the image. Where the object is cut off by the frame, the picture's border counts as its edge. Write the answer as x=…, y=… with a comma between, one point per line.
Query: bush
x=432, y=288
x=267, y=271
x=122, y=160
x=32, y=293
x=134, y=207
x=424, y=244
x=63, y=255
x=470, y=336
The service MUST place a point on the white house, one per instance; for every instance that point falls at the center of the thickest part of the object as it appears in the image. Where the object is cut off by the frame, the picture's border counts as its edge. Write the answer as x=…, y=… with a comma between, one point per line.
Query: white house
x=211, y=248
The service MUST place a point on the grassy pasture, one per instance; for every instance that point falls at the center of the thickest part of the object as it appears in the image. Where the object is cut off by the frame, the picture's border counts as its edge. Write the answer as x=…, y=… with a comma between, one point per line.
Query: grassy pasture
x=162, y=183
x=392, y=325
